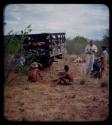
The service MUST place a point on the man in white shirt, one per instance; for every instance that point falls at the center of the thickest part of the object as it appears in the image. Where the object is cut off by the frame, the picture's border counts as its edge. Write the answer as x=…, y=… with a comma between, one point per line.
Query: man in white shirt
x=90, y=51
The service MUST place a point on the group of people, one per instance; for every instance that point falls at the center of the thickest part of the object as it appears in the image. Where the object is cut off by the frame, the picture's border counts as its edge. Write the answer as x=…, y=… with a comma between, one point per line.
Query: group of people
x=94, y=66
x=64, y=76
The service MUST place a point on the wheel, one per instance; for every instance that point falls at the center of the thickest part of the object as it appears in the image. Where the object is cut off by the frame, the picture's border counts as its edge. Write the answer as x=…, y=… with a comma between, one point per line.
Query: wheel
x=46, y=61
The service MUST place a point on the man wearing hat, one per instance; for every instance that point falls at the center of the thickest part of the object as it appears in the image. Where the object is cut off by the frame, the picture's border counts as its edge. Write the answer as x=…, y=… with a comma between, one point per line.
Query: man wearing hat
x=35, y=72
x=90, y=51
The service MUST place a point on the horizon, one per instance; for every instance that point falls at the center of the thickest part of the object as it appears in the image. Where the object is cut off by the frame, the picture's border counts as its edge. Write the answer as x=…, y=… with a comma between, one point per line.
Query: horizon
x=65, y=36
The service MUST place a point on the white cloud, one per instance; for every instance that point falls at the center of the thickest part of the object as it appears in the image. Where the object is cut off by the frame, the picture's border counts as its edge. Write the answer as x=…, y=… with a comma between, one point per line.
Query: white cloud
x=89, y=20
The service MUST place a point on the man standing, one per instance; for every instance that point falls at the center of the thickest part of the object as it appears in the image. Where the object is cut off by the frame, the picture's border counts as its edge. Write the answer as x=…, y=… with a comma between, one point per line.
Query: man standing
x=104, y=60
x=90, y=51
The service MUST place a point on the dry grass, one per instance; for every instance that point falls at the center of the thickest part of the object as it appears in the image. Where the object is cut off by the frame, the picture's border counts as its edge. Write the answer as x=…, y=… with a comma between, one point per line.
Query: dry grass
x=41, y=102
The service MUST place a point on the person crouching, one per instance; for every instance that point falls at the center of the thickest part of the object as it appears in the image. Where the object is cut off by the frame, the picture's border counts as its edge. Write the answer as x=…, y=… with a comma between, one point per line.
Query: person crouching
x=34, y=74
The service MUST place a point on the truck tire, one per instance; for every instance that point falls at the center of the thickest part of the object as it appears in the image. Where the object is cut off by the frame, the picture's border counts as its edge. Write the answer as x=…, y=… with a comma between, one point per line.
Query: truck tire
x=46, y=61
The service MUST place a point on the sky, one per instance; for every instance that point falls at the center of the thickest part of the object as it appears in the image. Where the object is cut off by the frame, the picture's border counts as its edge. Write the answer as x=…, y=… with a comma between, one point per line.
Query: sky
x=87, y=20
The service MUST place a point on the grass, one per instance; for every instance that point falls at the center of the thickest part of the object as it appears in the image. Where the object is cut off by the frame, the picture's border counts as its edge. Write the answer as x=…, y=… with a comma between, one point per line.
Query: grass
x=39, y=101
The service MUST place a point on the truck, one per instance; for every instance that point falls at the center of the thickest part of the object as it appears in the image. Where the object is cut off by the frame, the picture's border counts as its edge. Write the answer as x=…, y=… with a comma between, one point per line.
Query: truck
x=46, y=46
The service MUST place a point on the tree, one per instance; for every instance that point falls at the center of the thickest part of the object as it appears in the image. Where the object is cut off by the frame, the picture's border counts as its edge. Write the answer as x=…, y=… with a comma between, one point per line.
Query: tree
x=14, y=42
x=14, y=46
x=76, y=45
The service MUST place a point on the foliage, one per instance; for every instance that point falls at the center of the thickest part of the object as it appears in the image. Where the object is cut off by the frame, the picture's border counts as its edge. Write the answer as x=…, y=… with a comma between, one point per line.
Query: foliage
x=22, y=69
x=14, y=43
x=30, y=56
x=77, y=44
x=18, y=67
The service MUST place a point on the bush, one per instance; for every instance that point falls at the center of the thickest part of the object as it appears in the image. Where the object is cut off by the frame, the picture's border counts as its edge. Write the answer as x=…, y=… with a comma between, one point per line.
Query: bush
x=31, y=57
x=13, y=44
x=77, y=45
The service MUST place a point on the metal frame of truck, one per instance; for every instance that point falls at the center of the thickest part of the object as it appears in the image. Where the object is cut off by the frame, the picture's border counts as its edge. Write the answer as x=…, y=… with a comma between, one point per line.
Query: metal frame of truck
x=52, y=45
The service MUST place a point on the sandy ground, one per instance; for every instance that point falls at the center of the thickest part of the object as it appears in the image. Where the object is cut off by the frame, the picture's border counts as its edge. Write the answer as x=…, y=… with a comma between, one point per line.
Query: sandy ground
x=40, y=101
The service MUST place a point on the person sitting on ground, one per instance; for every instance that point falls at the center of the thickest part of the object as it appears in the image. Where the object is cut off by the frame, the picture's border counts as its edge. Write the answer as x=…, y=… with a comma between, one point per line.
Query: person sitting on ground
x=64, y=77
x=34, y=75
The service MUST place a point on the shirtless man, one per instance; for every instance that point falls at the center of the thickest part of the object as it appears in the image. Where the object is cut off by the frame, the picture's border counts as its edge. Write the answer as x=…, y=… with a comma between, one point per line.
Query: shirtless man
x=64, y=77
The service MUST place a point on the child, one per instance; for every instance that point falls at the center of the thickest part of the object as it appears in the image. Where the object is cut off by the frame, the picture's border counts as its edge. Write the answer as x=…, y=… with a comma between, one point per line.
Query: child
x=64, y=77
x=104, y=60
x=105, y=53
x=99, y=66
x=96, y=73
x=35, y=73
